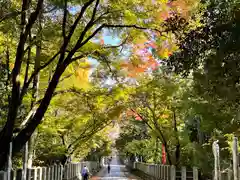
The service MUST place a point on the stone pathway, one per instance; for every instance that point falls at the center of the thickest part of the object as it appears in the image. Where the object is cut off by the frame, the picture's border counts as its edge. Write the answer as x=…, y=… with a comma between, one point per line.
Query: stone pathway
x=118, y=172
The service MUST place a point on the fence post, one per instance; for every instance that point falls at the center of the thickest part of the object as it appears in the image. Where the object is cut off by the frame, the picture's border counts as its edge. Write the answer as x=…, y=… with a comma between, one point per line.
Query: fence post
x=235, y=158
x=52, y=173
x=13, y=175
x=29, y=174
x=160, y=171
x=40, y=173
x=55, y=172
x=49, y=173
x=25, y=158
x=195, y=173
x=173, y=172
x=61, y=172
x=68, y=171
x=229, y=173
x=44, y=173
x=3, y=175
x=34, y=172
x=9, y=168
x=167, y=172
x=19, y=174
x=183, y=173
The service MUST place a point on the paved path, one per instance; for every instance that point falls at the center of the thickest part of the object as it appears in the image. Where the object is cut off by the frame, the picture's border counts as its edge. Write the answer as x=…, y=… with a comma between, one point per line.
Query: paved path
x=118, y=172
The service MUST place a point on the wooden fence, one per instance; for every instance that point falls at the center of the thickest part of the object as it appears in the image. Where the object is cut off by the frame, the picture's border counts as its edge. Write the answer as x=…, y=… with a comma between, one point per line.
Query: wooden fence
x=164, y=172
x=70, y=171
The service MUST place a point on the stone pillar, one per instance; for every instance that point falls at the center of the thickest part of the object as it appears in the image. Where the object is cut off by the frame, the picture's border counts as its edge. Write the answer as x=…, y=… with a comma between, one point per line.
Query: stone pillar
x=216, y=153
x=29, y=174
x=52, y=173
x=61, y=172
x=3, y=175
x=44, y=173
x=55, y=171
x=173, y=173
x=49, y=173
x=40, y=173
x=184, y=173
x=34, y=172
x=9, y=168
x=235, y=158
x=195, y=173
x=19, y=174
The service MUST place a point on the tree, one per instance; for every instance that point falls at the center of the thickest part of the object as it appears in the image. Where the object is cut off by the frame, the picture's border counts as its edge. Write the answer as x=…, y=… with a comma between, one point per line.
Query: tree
x=156, y=102
x=72, y=40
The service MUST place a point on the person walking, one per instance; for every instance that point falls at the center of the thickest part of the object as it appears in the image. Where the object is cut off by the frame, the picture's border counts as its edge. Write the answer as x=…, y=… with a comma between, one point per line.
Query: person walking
x=109, y=167
x=85, y=173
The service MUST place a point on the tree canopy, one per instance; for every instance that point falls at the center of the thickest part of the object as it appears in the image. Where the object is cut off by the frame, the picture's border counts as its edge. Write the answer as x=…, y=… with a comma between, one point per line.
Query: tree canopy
x=168, y=76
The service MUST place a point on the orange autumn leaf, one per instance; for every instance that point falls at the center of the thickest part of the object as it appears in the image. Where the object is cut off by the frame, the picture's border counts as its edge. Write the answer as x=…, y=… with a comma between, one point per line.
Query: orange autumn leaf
x=132, y=75
x=140, y=69
x=11, y=65
x=164, y=15
x=102, y=41
x=164, y=116
x=124, y=65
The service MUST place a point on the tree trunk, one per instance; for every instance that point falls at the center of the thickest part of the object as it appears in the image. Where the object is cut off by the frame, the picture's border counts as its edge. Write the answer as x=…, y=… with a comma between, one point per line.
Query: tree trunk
x=25, y=151
x=35, y=91
x=178, y=147
x=6, y=133
x=156, y=151
x=26, y=133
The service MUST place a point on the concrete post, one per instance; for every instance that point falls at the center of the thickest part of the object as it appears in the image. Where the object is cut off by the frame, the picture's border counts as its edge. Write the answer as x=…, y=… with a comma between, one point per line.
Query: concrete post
x=173, y=173
x=34, y=172
x=19, y=174
x=29, y=174
x=195, y=173
x=13, y=175
x=164, y=173
x=215, y=149
x=55, y=171
x=3, y=175
x=25, y=158
x=235, y=158
x=44, y=173
x=184, y=173
x=52, y=173
x=61, y=173
x=40, y=173
x=168, y=172
x=161, y=171
x=9, y=168
x=49, y=173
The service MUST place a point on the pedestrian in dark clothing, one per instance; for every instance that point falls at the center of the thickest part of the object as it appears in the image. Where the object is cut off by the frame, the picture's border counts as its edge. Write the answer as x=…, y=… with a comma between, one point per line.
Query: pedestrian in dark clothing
x=109, y=168
x=85, y=173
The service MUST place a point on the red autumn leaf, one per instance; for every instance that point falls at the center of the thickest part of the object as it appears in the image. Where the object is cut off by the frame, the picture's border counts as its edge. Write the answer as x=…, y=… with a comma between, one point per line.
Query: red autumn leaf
x=138, y=118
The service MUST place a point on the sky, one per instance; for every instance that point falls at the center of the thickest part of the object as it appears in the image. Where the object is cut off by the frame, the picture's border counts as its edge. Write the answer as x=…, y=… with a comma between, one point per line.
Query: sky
x=108, y=40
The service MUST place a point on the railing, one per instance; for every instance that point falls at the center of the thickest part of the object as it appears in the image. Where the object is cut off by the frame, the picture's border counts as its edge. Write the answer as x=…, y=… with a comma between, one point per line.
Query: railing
x=164, y=172
x=70, y=171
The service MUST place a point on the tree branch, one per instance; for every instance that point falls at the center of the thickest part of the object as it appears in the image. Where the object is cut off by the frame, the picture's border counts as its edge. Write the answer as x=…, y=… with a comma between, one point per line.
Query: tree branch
x=73, y=27
x=26, y=85
x=87, y=27
x=131, y=26
x=113, y=26
x=10, y=15
x=117, y=46
x=65, y=12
